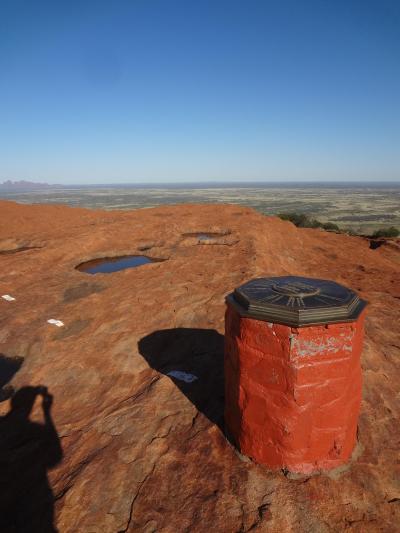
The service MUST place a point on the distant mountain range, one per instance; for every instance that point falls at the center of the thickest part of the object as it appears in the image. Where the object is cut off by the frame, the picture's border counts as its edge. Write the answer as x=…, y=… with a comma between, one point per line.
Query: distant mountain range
x=23, y=185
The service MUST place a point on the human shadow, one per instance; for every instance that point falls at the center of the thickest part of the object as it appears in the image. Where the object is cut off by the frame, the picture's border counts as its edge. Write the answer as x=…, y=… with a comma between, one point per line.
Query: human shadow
x=9, y=366
x=27, y=451
x=195, y=351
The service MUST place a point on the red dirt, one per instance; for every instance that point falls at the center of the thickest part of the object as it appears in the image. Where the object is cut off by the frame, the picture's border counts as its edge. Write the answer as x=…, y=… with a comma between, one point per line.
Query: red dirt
x=145, y=452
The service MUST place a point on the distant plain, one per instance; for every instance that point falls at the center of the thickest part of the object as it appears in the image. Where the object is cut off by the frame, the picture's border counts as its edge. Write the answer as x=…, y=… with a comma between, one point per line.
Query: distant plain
x=362, y=208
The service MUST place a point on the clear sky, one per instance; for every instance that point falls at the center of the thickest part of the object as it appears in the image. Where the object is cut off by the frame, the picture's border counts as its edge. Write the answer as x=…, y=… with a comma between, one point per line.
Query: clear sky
x=164, y=90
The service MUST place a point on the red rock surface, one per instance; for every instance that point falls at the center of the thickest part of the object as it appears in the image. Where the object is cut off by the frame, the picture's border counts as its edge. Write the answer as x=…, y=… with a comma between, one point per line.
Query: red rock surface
x=287, y=410
x=145, y=452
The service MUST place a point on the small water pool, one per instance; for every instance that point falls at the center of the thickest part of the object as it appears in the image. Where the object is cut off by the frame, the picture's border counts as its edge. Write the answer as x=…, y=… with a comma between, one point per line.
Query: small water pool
x=108, y=265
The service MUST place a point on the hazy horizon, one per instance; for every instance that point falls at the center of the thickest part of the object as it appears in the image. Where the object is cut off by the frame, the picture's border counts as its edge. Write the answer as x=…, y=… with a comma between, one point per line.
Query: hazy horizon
x=205, y=183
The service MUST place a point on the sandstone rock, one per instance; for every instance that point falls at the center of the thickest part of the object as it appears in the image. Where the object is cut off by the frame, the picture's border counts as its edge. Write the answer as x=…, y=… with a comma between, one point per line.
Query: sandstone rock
x=136, y=450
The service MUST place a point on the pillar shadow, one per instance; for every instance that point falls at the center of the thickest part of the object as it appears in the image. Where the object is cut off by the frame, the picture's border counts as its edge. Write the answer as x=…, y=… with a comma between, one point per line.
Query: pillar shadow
x=27, y=451
x=195, y=351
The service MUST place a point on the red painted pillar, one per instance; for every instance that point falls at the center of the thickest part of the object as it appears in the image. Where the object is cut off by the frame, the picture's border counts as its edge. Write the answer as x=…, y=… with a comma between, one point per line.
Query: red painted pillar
x=292, y=372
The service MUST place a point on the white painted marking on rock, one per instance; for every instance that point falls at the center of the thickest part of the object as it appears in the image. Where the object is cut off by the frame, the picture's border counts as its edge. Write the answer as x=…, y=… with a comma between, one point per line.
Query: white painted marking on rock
x=305, y=347
x=182, y=376
x=55, y=322
x=8, y=298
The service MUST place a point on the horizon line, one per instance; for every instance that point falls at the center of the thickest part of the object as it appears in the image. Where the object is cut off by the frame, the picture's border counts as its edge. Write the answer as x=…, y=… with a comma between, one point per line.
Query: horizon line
x=202, y=182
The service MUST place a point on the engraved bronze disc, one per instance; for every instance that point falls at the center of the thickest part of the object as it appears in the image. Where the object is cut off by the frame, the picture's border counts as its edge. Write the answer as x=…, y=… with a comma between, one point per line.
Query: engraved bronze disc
x=297, y=301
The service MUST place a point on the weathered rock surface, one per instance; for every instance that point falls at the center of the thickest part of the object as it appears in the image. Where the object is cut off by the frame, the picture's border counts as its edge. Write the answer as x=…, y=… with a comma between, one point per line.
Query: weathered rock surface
x=145, y=452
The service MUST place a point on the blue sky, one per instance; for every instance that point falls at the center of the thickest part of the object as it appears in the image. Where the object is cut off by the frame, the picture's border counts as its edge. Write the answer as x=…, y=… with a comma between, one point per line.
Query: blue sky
x=161, y=90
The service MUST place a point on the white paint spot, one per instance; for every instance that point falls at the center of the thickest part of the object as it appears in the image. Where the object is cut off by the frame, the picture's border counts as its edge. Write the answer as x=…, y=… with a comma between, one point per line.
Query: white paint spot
x=8, y=298
x=330, y=345
x=292, y=341
x=182, y=376
x=55, y=322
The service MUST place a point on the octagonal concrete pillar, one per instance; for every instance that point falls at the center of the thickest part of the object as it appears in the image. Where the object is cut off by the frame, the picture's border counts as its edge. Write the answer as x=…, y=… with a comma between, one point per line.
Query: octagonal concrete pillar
x=292, y=372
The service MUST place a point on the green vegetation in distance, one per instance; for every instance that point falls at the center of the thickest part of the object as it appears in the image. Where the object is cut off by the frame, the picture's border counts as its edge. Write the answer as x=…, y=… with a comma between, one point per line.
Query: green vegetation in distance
x=386, y=232
x=303, y=221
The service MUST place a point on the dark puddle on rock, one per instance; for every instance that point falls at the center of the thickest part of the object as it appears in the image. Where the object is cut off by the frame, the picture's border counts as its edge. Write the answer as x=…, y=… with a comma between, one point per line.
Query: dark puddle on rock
x=376, y=244
x=108, y=265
